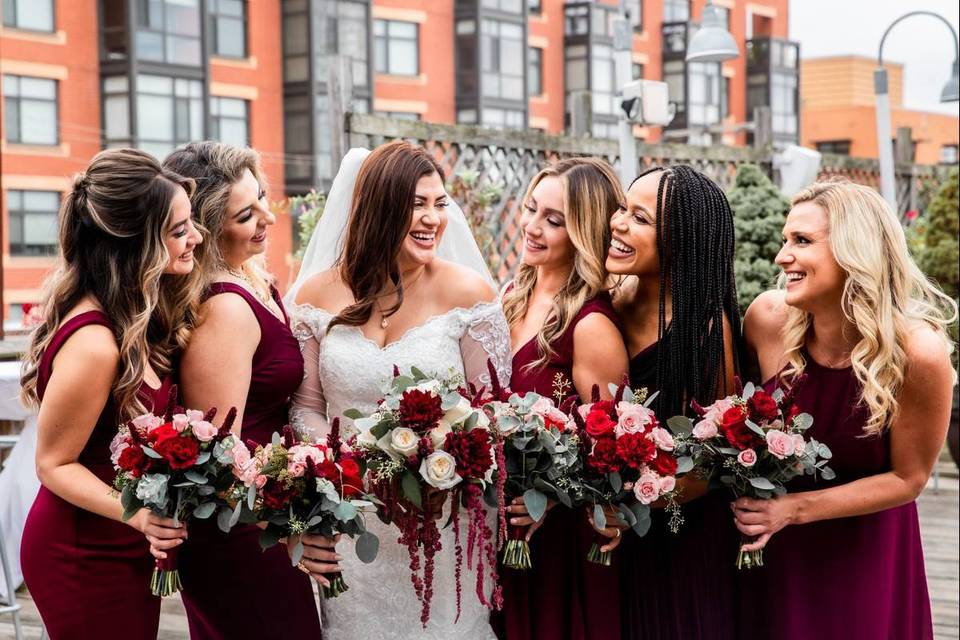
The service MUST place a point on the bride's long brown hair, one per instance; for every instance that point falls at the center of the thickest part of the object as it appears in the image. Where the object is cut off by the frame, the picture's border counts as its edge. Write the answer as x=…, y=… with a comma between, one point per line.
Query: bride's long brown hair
x=380, y=215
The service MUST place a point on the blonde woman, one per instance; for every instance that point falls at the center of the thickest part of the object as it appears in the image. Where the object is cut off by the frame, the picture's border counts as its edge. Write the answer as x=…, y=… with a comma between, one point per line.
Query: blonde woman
x=115, y=309
x=566, y=338
x=241, y=355
x=858, y=320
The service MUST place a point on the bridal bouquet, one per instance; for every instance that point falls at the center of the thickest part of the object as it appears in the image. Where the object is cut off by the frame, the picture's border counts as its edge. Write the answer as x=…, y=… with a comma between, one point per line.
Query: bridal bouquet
x=752, y=443
x=541, y=461
x=427, y=441
x=302, y=487
x=179, y=466
x=629, y=462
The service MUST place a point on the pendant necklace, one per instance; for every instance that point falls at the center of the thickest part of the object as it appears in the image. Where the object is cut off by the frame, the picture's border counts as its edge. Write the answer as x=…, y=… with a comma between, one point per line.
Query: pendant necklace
x=384, y=321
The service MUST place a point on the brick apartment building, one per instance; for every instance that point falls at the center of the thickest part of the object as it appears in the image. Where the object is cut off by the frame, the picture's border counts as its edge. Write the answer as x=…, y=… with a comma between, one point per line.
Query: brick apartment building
x=82, y=75
x=838, y=113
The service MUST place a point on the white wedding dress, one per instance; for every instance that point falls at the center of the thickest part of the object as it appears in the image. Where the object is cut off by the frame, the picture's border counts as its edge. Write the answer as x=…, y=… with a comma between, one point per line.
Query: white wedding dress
x=346, y=370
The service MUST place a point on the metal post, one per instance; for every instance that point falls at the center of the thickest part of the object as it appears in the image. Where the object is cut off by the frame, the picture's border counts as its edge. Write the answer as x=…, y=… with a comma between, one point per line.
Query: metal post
x=581, y=113
x=888, y=188
x=622, y=58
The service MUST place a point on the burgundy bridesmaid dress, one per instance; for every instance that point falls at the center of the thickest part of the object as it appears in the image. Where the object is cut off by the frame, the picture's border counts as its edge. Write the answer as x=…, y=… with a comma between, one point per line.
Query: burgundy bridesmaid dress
x=89, y=575
x=855, y=578
x=564, y=596
x=679, y=586
x=231, y=588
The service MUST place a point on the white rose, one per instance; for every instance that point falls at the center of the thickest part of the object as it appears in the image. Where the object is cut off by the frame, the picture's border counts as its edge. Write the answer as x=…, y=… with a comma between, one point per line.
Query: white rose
x=663, y=439
x=404, y=441
x=457, y=414
x=365, y=438
x=439, y=469
x=430, y=386
x=438, y=435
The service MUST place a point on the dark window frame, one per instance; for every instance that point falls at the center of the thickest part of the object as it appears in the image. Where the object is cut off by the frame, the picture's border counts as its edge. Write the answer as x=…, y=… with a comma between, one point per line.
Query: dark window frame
x=384, y=41
x=7, y=108
x=10, y=10
x=179, y=102
x=21, y=248
x=216, y=117
x=143, y=27
x=216, y=16
x=534, y=64
x=838, y=147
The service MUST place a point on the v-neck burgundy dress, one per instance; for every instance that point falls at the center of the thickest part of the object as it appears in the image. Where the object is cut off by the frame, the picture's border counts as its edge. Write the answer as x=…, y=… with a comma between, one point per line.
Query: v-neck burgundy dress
x=89, y=575
x=563, y=596
x=232, y=588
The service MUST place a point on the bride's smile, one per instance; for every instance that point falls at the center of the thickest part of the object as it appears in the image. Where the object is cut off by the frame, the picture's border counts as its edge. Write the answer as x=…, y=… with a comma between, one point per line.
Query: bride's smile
x=427, y=222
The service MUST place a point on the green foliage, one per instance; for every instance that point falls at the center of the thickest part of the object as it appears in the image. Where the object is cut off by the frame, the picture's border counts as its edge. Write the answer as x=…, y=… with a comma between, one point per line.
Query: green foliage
x=938, y=252
x=477, y=198
x=759, y=212
x=306, y=211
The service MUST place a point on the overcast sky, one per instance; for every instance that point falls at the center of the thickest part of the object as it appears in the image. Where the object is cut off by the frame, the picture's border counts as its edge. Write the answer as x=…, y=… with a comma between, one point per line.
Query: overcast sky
x=922, y=43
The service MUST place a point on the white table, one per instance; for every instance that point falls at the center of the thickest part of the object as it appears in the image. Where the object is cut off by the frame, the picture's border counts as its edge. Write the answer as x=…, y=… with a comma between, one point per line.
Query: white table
x=18, y=480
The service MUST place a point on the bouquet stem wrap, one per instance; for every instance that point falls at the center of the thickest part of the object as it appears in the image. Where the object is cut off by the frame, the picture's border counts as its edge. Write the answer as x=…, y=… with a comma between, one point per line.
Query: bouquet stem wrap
x=166, y=578
x=516, y=552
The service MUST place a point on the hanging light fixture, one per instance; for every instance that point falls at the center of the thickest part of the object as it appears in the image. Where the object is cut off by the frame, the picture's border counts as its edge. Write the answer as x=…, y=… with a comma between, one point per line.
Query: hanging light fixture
x=712, y=42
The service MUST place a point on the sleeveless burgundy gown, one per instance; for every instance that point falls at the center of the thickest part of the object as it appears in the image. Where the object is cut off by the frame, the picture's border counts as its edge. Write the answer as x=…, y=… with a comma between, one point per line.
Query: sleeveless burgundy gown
x=564, y=596
x=232, y=588
x=681, y=585
x=855, y=578
x=89, y=575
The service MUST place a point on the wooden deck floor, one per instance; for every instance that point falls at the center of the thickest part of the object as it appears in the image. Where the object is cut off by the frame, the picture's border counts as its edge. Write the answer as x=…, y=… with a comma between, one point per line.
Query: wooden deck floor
x=939, y=517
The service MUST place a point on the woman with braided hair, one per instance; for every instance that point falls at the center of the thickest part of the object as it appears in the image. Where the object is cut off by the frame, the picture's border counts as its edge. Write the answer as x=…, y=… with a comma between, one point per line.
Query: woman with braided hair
x=673, y=247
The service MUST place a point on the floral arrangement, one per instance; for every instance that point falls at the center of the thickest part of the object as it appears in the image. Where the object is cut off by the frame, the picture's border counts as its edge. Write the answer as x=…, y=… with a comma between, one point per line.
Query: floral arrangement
x=753, y=443
x=179, y=466
x=541, y=461
x=629, y=462
x=429, y=440
x=299, y=487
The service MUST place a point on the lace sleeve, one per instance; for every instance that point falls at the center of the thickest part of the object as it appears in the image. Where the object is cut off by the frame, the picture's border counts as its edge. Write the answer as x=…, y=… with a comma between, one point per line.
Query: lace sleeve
x=308, y=411
x=486, y=337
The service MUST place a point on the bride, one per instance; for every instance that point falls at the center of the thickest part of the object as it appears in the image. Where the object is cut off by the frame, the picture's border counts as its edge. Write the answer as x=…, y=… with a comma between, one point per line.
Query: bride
x=405, y=285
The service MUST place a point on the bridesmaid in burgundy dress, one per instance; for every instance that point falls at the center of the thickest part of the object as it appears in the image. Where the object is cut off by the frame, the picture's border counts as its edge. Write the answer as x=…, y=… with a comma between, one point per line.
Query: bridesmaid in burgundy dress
x=566, y=338
x=681, y=324
x=90, y=366
x=242, y=355
x=855, y=315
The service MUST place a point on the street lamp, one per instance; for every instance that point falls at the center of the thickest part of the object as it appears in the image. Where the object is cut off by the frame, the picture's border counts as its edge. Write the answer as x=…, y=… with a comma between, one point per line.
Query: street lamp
x=712, y=42
x=950, y=93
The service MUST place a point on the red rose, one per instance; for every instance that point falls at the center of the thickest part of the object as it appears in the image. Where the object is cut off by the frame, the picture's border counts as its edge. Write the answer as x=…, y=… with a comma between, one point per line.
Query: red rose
x=276, y=495
x=603, y=458
x=734, y=428
x=635, y=449
x=420, y=410
x=664, y=464
x=471, y=450
x=180, y=453
x=599, y=423
x=161, y=433
x=603, y=405
x=762, y=406
x=134, y=460
x=352, y=483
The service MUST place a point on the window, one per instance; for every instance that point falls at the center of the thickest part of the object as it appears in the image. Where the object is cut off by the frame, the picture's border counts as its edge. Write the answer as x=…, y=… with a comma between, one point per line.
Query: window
x=35, y=15
x=116, y=111
x=503, y=118
x=604, y=80
x=296, y=45
x=576, y=20
x=636, y=71
x=169, y=113
x=352, y=38
x=229, y=119
x=635, y=11
x=30, y=110
x=949, y=154
x=169, y=31
x=506, y=6
x=535, y=6
x=674, y=74
x=33, y=222
x=501, y=55
x=841, y=147
x=535, y=71
x=704, y=99
x=783, y=103
x=396, y=47
x=228, y=27
x=676, y=10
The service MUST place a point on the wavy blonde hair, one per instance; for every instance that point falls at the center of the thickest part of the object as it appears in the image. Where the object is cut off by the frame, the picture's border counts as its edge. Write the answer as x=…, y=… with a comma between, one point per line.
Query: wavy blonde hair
x=591, y=193
x=216, y=167
x=885, y=295
x=112, y=225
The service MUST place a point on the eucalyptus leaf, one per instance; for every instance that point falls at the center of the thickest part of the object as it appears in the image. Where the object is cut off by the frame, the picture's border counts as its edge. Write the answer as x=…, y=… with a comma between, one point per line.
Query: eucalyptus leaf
x=251, y=495
x=417, y=374
x=827, y=473
x=367, y=546
x=684, y=464
x=223, y=519
x=753, y=426
x=195, y=477
x=616, y=482
x=353, y=414
x=803, y=421
x=297, y=555
x=275, y=439
x=762, y=483
x=748, y=390
x=411, y=488
x=203, y=457
x=536, y=503
x=651, y=398
x=402, y=383
x=345, y=511
x=627, y=514
x=777, y=395
x=680, y=425
x=204, y=510
x=235, y=516
x=472, y=421
x=599, y=517
x=150, y=452
x=642, y=513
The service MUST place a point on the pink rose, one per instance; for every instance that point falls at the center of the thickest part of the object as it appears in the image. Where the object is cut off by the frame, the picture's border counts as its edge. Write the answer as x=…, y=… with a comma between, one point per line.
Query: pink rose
x=193, y=415
x=705, y=429
x=717, y=409
x=542, y=406
x=260, y=480
x=799, y=444
x=117, y=445
x=633, y=418
x=780, y=444
x=147, y=422
x=667, y=484
x=747, y=457
x=180, y=422
x=647, y=488
x=203, y=430
x=297, y=458
x=662, y=438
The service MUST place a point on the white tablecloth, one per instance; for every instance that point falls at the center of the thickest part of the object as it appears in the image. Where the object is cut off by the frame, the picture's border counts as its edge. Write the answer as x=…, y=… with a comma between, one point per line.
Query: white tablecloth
x=18, y=480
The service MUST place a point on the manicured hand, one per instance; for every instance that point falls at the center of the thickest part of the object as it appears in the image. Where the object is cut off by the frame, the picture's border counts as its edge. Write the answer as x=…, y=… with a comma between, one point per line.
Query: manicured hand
x=614, y=529
x=319, y=556
x=161, y=533
x=522, y=517
x=761, y=519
